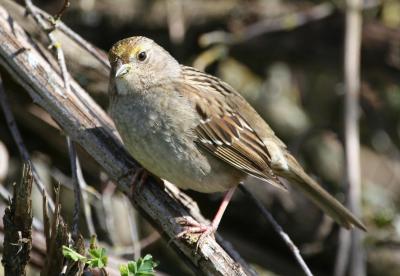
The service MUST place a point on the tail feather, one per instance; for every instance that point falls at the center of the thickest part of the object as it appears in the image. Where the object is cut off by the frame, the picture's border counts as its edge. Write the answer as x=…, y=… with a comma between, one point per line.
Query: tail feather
x=319, y=196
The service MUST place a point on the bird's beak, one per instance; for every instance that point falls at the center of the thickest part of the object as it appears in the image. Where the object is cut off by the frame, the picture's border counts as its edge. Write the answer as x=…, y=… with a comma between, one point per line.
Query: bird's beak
x=121, y=70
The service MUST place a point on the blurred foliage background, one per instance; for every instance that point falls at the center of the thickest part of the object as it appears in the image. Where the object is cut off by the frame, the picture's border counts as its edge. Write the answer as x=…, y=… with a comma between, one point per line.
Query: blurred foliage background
x=286, y=58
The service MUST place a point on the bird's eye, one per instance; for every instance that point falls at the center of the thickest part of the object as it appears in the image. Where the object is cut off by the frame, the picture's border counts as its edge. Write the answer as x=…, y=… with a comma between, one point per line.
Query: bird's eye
x=142, y=56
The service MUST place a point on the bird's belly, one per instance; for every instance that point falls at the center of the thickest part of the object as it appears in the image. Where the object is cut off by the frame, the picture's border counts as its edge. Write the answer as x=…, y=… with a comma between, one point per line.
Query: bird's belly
x=171, y=155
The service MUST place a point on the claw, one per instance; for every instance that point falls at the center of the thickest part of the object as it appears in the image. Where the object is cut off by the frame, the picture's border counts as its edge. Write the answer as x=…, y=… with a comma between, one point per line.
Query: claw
x=210, y=231
x=191, y=226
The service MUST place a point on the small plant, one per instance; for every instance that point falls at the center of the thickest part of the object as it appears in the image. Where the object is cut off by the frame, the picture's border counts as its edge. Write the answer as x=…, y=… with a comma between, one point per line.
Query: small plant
x=97, y=258
x=72, y=254
x=142, y=267
x=97, y=255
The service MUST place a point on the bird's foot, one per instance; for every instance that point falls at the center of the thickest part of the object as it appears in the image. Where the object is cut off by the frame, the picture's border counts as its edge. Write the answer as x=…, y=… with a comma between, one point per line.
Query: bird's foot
x=190, y=226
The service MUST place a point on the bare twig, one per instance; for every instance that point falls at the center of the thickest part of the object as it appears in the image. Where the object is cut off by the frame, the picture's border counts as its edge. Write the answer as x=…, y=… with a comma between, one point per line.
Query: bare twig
x=83, y=191
x=66, y=182
x=352, y=143
x=133, y=229
x=77, y=188
x=343, y=253
x=93, y=50
x=284, y=23
x=87, y=124
x=78, y=180
x=150, y=239
x=62, y=10
x=145, y=242
x=20, y=143
x=278, y=229
x=55, y=239
x=30, y=10
x=106, y=204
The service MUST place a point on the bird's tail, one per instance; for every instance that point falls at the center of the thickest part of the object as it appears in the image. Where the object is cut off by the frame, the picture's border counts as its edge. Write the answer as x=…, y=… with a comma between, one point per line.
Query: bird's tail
x=319, y=196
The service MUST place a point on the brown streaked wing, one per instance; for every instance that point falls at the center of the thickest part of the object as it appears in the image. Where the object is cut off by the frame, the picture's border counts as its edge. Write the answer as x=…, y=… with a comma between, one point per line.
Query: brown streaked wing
x=222, y=130
x=210, y=85
x=236, y=145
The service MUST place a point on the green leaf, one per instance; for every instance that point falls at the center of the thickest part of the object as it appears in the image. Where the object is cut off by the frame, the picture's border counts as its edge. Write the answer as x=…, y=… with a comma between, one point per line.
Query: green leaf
x=98, y=258
x=132, y=267
x=123, y=270
x=146, y=265
x=127, y=270
x=142, y=267
x=72, y=254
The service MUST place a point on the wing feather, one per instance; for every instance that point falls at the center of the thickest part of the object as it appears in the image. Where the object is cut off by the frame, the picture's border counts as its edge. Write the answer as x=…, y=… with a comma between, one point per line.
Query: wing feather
x=241, y=148
x=223, y=131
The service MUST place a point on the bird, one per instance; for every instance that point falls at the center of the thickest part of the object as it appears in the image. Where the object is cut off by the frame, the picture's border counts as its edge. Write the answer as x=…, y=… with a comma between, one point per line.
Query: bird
x=197, y=132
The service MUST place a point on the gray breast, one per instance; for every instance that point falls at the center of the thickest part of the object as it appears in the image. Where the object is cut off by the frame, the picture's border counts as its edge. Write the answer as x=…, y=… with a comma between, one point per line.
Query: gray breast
x=150, y=133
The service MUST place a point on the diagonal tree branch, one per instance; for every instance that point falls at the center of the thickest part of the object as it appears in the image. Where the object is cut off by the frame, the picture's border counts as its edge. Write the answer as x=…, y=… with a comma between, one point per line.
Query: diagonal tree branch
x=86, y=123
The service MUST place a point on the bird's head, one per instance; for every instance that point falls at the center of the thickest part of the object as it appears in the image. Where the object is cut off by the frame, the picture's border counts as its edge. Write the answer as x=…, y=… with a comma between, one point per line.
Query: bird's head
x=138, y=63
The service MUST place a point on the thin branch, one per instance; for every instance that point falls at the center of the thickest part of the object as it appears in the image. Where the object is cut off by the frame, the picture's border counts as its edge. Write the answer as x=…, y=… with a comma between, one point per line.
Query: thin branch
x=87, y=124
x=30, y=10
x=77, y=188
x=145, y=242
x=78, y=180
x=90, y=48
x=66, y=182
x=278, y=229
x=12, y=125
x=150, y=239
x=83, y=187
x=352, y=140
x=286, y=22
x=133, y=229
x=62, y=10
x=343, y=253
x=106, y=204
x=55, y=238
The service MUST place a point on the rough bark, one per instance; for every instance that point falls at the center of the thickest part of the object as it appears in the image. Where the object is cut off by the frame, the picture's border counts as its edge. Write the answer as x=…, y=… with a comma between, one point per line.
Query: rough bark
x=18, y=227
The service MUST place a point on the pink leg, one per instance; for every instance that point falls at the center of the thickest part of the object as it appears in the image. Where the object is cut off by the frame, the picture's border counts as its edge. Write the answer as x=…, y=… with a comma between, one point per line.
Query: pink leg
x=222, y=208
x=192, y=226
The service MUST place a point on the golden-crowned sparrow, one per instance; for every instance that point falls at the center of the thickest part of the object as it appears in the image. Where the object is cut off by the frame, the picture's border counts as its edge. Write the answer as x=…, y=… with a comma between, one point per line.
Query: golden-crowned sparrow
x=197, y=132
